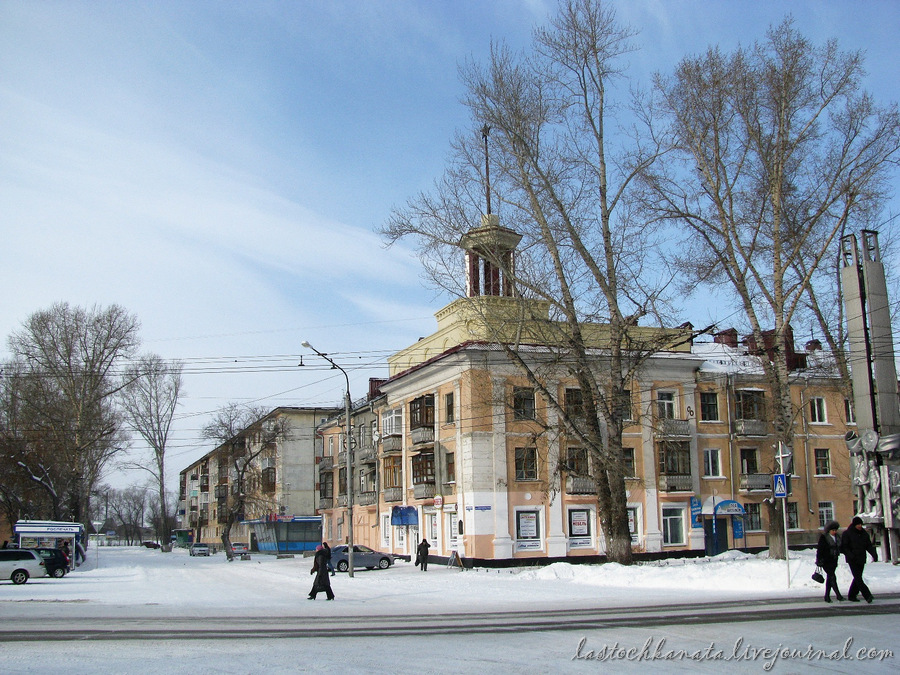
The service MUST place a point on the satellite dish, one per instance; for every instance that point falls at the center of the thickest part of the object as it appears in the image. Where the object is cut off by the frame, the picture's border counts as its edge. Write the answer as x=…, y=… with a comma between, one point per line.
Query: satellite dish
x=869, y=440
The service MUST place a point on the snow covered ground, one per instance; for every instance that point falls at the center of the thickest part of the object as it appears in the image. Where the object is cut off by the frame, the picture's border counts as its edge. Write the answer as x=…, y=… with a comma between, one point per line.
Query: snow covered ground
x=135, y=583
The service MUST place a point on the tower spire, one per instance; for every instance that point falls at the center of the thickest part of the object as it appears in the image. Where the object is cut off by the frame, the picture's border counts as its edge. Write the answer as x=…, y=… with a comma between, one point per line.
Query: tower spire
x=485, y=130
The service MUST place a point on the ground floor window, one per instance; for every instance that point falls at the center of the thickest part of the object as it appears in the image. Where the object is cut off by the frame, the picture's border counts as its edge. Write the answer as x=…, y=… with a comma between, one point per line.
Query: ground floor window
x=634, y=523
x=673, y=525
x=580, y=527
x=826, y=513
x=528, y=530
x=754, y=516
x=386, y=531
x=793, y=516
x=452, y=529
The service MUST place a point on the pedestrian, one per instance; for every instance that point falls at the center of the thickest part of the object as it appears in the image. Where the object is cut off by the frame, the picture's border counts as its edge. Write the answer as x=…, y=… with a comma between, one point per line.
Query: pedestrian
x=422, y=554
x=320, y=569
x=827, y=556
x=67, y=552
x=855, y=543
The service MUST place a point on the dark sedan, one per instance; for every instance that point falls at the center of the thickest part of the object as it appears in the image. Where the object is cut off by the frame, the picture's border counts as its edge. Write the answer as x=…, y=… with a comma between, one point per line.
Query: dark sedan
x=54, y=561
x=363, y=556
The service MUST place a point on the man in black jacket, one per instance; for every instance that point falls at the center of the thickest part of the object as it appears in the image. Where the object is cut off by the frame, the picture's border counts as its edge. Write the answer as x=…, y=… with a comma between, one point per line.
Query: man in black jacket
x=855, y=543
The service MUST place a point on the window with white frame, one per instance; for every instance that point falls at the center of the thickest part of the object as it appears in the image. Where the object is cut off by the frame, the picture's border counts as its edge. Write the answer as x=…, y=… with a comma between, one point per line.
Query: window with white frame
x=823, y=461
x=431, y=528
x=401, y=537
x=711, y=464
x=526, y=464
x=392, y=422
x=673, y=521
x=826, y=513
x=523, y=403
x=817, y=410
x=634, y=523
x=452, y=529
x=665, y=405
x=849, y=412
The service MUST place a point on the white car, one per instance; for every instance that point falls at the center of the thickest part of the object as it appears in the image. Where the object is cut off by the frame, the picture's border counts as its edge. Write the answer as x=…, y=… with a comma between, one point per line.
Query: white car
x=199, y=549
x=239, y=548
x=18, y=565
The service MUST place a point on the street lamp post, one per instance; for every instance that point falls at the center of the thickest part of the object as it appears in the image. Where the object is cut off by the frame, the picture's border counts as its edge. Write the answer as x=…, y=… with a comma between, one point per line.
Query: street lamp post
x=349, y=456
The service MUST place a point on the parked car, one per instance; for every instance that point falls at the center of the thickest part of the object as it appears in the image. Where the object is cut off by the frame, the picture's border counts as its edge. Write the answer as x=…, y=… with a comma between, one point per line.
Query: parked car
x=239, y=548
x=20, y=564
x=199, y=549
x=151, y=544
x=55, y=562
x=363, y=556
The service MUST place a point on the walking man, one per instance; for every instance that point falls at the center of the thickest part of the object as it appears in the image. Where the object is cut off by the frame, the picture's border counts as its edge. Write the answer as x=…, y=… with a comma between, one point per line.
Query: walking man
x=855, y=543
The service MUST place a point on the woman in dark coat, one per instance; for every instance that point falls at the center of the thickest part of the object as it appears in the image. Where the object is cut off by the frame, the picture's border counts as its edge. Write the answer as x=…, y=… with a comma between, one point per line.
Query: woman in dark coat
x=320, y=569
x=422, y=554
x=827, y=556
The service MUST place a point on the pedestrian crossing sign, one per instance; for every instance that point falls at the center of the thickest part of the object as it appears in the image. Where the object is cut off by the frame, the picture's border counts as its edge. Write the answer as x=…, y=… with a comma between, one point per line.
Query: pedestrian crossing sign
x=780, y=485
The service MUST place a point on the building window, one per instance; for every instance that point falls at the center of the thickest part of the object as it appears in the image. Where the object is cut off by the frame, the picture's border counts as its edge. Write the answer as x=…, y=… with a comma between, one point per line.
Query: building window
x=826, y=514
x=574, y=404
x=326, y=485
x=451, y=467
x=423, y=469
x=331, y=446
x=452, y=529
x=386, y=531
x=749, y=404
x=634, y=524
x=523, y=403
x=449, y=409
x=579, y=523
x=754, y=516
x=392, y=422
x=675, y=458
x=817, y=410
x=342, y=481
x=665, y=405
x=528, y=525
x=421, y=412
x=268, y=480
x=628, y=467
x=711, y=465
x=823, y=461
x=709, y=406
x=625, y=407
x=526, y=464
x=673, y=525
x=748, y=461
x=577, y=461
x=849, y=412
x=392, y=472
x=793, y=516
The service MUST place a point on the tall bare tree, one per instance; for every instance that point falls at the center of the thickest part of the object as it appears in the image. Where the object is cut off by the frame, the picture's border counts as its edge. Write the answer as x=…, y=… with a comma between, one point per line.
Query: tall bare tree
x=66, y=359
x=774, y=152
x=243, y=435
x=564, y=186
x=149, y=399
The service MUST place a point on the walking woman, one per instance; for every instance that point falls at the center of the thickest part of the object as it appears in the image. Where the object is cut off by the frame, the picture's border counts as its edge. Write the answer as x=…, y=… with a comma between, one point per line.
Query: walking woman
x=827, y=556
x=320, y=569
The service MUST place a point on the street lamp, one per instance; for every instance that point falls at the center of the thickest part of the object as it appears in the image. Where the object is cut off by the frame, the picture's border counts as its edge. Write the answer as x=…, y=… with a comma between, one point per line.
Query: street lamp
x=349, y=453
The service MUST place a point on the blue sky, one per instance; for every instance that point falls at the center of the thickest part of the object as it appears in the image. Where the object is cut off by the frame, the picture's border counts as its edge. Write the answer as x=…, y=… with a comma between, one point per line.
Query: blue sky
x=219, y=168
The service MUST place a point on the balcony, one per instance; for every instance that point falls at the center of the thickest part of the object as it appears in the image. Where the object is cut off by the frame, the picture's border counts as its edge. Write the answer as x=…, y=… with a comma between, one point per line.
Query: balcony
x=751, y=427
x=326, y=463
x=366, y=455
x=391, y=444
x=422, y=435
x=449, y=488
x=675, y=483
x=753, y=482
x=326, y=502
x=580, y=485
x=393, y=494
x=342, y=458
x=342, y=500
x=365, y=498
x=672, y=427
x=423, y=490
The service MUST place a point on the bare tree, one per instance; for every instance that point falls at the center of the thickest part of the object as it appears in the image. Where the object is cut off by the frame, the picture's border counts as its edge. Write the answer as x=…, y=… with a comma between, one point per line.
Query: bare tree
x=149, y=399
x=774, y=152
x=65, y=358
x=243, y=433
x=562, y=185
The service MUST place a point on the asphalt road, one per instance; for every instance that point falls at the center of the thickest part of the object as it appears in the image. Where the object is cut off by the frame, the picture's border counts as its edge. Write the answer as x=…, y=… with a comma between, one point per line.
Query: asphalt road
x=71, y=624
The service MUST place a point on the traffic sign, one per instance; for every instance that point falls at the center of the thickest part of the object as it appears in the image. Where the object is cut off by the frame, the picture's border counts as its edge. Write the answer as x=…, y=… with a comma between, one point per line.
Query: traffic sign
x=779, y=481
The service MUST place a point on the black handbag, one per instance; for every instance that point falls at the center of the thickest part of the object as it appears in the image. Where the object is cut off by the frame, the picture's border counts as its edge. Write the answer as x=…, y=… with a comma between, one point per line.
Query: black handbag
x=817, y=576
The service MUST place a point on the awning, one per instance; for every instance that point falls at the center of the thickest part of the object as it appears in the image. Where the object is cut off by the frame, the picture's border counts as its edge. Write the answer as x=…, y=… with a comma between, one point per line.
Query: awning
x=404, y=515
x=722, y=507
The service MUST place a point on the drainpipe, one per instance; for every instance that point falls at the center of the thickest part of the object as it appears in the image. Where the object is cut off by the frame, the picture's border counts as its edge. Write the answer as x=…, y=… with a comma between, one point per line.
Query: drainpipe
x=806, y=446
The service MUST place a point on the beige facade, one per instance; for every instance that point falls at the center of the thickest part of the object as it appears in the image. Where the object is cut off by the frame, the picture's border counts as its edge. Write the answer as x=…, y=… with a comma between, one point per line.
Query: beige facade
x=280, y=479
